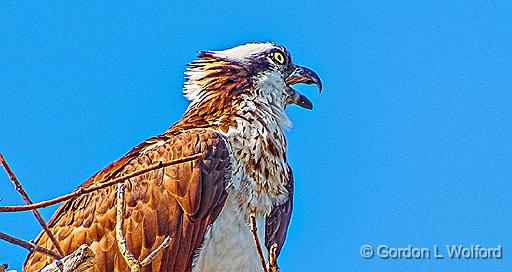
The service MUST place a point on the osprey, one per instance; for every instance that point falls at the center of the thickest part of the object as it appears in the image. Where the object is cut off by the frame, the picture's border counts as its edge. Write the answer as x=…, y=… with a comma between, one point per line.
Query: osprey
x=236, y=117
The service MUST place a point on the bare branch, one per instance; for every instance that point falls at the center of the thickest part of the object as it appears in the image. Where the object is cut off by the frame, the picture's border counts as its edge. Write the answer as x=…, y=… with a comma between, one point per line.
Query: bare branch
x=155, y=252
x=99, y=185
x=271, y=265
x=254, y=231
x=128, y=256
x=25, y=197
x=79, y=261
x=29, y=246
x=132, y=262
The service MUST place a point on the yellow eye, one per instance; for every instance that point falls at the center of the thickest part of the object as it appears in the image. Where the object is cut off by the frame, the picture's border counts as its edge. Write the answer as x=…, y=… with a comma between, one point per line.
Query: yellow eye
x=278, y=56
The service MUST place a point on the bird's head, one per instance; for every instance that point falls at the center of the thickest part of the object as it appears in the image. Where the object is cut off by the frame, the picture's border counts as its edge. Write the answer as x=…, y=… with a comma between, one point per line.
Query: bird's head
x=262, y=73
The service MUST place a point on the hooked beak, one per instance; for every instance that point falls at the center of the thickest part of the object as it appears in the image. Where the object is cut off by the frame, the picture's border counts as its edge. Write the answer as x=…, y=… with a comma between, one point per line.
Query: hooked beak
x=306, y=76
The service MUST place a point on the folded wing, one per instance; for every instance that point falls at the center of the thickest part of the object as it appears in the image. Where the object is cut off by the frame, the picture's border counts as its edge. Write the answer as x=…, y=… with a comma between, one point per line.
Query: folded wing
x=179, y=201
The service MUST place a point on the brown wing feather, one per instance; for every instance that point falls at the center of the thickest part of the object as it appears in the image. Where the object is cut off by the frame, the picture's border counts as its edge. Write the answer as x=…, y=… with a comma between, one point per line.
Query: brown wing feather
x=279, y=219
x=179, y=201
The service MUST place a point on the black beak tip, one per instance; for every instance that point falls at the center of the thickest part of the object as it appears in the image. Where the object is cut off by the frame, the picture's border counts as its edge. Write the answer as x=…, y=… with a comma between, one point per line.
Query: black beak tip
x=313, y=78
x=316, y=80
x=319, y=84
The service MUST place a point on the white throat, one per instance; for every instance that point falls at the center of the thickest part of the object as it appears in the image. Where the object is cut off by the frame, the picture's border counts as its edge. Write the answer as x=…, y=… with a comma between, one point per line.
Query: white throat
x=270, y=98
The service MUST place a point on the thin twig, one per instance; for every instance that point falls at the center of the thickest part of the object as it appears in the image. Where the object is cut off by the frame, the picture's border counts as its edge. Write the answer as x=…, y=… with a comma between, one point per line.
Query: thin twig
x=155, y=252
x=122, y=245
x=99, y=185
x=254, y=231
x=29, y=246
x=272, y=259
x=25, y=197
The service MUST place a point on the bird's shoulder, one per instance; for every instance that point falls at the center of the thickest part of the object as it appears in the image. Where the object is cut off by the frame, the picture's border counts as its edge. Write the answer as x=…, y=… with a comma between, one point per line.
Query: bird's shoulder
x=164, y=148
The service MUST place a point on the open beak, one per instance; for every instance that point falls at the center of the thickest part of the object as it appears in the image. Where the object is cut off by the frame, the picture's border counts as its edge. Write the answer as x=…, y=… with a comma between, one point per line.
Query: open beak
x=306, y=76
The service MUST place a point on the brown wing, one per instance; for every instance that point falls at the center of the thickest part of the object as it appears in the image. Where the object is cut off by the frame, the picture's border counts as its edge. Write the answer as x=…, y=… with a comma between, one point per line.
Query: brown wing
x=179, y=201
x=279, y=218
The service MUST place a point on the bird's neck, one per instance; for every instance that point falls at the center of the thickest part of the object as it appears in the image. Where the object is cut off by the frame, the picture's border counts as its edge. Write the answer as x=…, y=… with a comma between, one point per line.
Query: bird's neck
x=256, y=136
x=259, y=148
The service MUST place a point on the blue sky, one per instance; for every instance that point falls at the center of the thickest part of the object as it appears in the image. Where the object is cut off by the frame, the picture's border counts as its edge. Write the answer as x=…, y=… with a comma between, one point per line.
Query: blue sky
x=409, y=144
